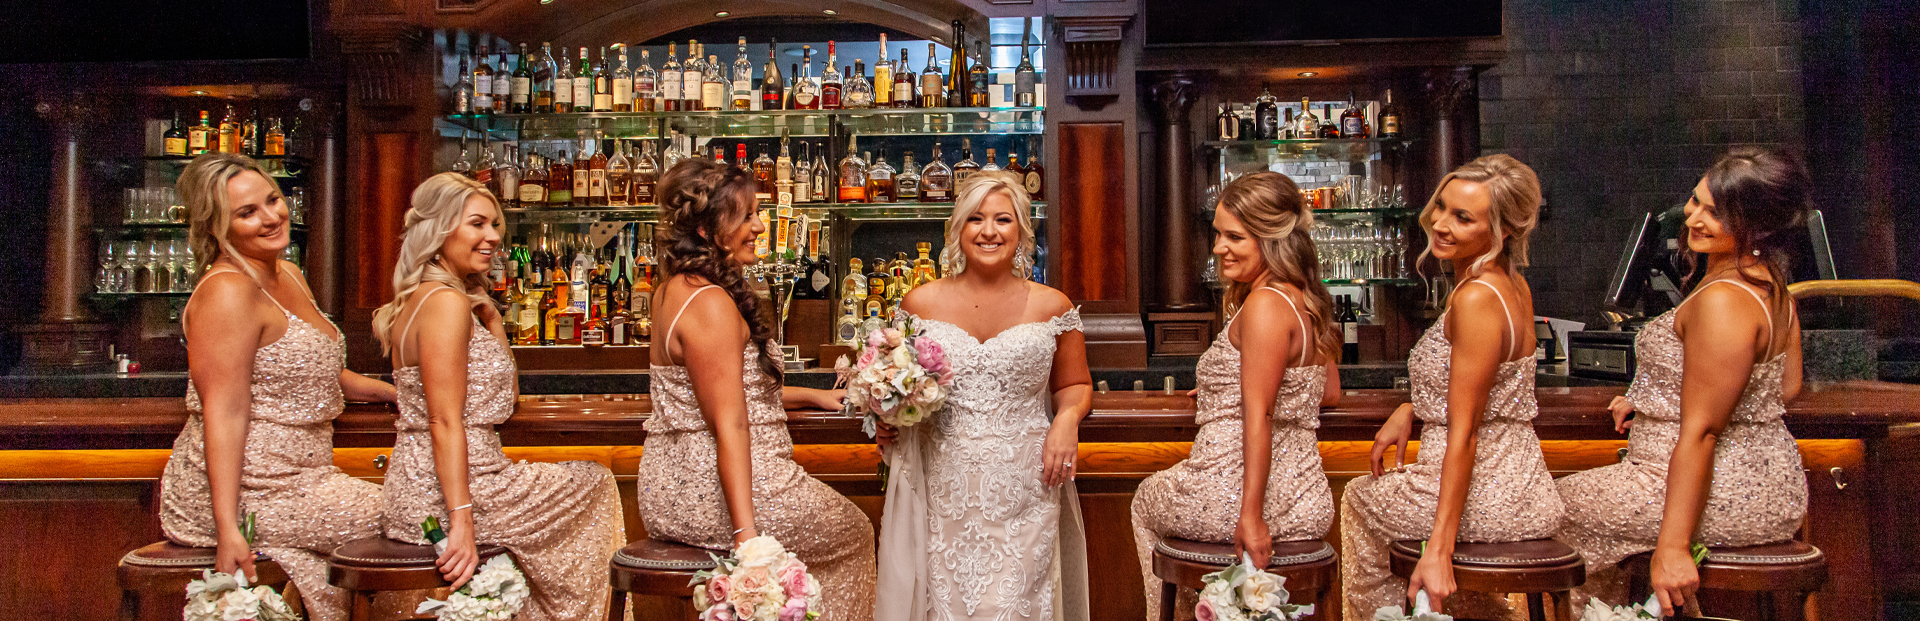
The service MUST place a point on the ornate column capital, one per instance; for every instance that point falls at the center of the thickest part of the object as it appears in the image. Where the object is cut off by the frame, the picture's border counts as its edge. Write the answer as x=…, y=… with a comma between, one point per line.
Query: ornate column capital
x=1173, y=96
x=1093, y=57
x=1450, y=91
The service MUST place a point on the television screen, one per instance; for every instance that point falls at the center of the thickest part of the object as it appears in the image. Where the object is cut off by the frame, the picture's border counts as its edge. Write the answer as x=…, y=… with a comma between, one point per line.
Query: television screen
x=154, y=30
x=1177, y=23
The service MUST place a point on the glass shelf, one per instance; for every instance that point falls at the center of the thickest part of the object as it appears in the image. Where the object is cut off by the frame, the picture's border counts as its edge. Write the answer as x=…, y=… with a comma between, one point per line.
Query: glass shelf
x=1397, y=282
x=1384, y=142
x=128, y=296
x=863, y=212
x=757, y=123
x=291, y=159
x=1383, y=212
x=130, y=228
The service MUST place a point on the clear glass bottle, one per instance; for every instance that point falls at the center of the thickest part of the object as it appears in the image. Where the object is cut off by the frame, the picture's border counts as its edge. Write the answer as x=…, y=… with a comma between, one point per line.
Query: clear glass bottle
x=966, y=167
x=859, y=92
x=507, y=173
x=1306, y=125
x=463, y=96
x=646, y=172
x=822, y=189
x=670, y=82
x=482, y=82
x=563, y=90
x=693, y=76
x=619, y=177
x=645, y=84
x=1353, y=122
x=742, y=78
x=803, y=177
x=990, y=166
x=906, y=182
x=806, y=95
x=502, y=83
x=936, y=180
x=880, y=180
x=932, y=86
x=533, y=182
x=763, y=175
x=545, y=74
x=714, y=86
x=853, y=176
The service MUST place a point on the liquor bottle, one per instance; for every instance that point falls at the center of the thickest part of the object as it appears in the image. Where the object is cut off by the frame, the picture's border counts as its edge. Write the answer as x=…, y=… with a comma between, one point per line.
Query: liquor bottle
x=876, y=302
x=1305, y=126
x=620, y=303
x=821, y=187
x=175, y=141
x=882, y=77
x=936, y=180
x=230, y=132
x=560, y=182
x=1023, y=76
x=906, y=181
x=880, y=180
x=763, y=174
x=1014, y=168
x=482, y=83
x=646, y=84
x=1035, y=178
x=646, y=172
x=924, y=270
x=783, y=181
x=201, y=138
x=713, y=86
x=742, y=78
x=1353, y=122
x=693, y=75
x=584, y=84
x=819, y=276
x=583, y=174
x=463, y=90
x=520, y=94
x=545, y=73
x=1266, y=115
x=670, y=82
x=903, y=83
x=803, y=177
x=847, y=329
x=599, y=289
x=977, y=77
x=989, y=165
x=967, y=167
x=1389, y=118
x=899, y=277
x=508, y=176
x=253, y=132
x=932, y=87
x=483, y=173
x=563, y=90
x=533, y=183
x=1328, y=127
x=1226, y=124
x=462, y=164
x=1349, y=332
x=549, y=309
x=603, y=95
x=958, y=87
x=805, y=95
x=853, y=176
x=597, y=179
x=853, y=287
x=859, y=92
x=502, y=83
x=620, y=81
x=831, y=85
x=771, y=85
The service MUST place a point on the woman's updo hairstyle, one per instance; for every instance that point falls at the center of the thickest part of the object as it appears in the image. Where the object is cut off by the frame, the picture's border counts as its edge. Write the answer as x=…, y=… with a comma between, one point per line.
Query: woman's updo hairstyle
x=1269, y=205
x=1513, y=194
x=701, y=201
x=438, y=206
x=1759, y=194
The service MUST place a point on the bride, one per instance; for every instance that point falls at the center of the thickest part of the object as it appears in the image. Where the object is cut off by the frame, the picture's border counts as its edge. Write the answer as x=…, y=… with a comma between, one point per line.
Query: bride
x=982, y=520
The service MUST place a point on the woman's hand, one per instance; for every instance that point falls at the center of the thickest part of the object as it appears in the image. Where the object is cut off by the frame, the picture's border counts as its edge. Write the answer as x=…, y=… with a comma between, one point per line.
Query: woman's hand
x=462, y=556
x=831, y=400
x=1434, y=574
x=1061, y=451
x=885, y=434
x=1394, y=434
x=1622, y=409
x=1253, y=538
x=1674, y=578
x=233, y=553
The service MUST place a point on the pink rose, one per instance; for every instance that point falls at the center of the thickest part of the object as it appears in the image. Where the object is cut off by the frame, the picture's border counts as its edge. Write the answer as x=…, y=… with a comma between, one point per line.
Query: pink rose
x=795, y=610
x=877, y=338
x=867, y=356
x=750, y=590
x=1204, y=611
x=932, y=357
x=793, y=578
x=719, y=612
x=718, y=587
x=894, y=337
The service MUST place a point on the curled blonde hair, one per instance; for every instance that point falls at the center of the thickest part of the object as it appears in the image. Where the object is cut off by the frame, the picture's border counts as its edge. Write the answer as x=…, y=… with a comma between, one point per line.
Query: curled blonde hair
x=203, y=187
x=972, y=194
x=1513, y=196
x=1268, y=204
x=437, y=206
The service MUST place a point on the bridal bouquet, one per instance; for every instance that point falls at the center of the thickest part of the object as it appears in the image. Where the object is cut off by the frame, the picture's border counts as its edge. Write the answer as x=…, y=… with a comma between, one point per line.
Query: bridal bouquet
x=1598, y=611
x=900, y=378
x=1422, y=611
x=1243, y=592
x=495, y=593
x=762, y=581
x=220, y=596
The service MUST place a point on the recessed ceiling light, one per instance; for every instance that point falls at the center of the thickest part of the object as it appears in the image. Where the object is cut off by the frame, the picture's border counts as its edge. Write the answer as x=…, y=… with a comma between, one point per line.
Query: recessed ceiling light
x=1309, y=74
x=721, y=13
x=197, y=92
x=546, y=1
x=829, y=11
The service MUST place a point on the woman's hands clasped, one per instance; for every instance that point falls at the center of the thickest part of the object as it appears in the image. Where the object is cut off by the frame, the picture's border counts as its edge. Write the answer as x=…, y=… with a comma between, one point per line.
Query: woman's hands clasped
x=1394, y=434
x=1061, y=453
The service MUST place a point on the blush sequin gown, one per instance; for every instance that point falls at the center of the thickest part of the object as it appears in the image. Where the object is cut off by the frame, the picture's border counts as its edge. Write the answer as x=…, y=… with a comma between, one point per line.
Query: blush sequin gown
x=1511, y=498
x=562, y=521
x=1198, y=499
x=680, y=497
x=1758, y=494
x=304, y=506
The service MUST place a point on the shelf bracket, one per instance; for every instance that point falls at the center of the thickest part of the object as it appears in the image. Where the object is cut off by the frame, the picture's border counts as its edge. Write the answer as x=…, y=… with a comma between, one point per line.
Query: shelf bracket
x=1093, y=56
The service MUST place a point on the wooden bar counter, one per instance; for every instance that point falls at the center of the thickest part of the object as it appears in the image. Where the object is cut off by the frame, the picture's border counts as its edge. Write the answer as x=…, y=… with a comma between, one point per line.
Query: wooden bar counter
x=79, y=477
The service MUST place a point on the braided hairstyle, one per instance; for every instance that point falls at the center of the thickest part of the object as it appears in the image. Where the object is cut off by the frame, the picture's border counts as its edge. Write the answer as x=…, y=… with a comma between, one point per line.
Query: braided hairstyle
x=701, y=200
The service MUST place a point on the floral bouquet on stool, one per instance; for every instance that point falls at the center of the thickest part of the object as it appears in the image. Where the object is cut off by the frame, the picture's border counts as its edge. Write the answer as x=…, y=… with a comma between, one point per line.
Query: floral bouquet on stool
x=1422, y=611
x=219, y=596
x=1243, y=592
x=495, y=593
x=762, y=581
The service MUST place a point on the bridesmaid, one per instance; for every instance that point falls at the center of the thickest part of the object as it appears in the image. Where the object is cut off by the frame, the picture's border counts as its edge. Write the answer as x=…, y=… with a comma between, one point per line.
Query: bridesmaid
x=1480, y=475
x=266, y=380
x=1708, y=459
x=1254, y=476
x=718, y=467
x=457, y=380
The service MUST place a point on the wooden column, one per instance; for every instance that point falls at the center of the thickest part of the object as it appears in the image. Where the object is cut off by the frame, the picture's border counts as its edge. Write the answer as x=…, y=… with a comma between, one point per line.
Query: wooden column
x=325, y=270
x=1172, y=98
x=1453, y=97
x=387, y=147
x=65, y=339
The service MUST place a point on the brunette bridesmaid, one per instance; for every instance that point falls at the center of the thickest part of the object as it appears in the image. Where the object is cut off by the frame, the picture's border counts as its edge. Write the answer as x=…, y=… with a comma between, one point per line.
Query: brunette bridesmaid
x=1480, y=476
x=718, y=467
x=267, y=378
x=1708, y=459
x=456, y=380
x=1254, y=476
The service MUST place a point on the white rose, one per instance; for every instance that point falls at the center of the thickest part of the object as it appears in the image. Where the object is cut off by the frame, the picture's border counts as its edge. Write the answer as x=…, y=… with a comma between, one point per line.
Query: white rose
x=1220, y=594
x=1262, y=591
x=201, y=609
x=700, y=597
x=240, y=605
x=759, y=551
x=1389, y=613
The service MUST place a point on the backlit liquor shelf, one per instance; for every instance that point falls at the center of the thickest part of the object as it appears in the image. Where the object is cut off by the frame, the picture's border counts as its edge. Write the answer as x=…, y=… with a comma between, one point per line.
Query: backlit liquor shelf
x=757, y=123
x=865, y=212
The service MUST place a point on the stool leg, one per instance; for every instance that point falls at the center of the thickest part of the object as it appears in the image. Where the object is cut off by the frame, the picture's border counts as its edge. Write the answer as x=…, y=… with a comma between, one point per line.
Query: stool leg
x=1168, y=591
x=1535, y=610
x=1766, y=605
x=1562, y=605
x=360, y=606
x=616, y=605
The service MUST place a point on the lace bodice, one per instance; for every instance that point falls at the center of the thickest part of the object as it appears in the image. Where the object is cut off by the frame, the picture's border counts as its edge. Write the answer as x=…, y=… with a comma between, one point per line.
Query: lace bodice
x=999, y=381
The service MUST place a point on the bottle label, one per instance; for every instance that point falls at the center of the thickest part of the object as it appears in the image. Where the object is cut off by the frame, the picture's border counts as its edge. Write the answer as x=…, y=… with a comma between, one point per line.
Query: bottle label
x=1390, y=125
x=581, y=186
x=670, y=85
x=521, y=88
x=563, y=91
x=502, y=86
x=1351, y=332
x=803, y=97
x=532, y=193
x=603, y=101
x=690, y=83
x=1033, y=181
x=713, y=95
x=622, y=91
x=197, y=141
x=597, y=183
x=562, y=194
x=906, y=188
x=902, y=91
x=934, y=193
x=276, y=144
x=582, y=92
x=642, y=193
x=1353, y=127
x=176, y=146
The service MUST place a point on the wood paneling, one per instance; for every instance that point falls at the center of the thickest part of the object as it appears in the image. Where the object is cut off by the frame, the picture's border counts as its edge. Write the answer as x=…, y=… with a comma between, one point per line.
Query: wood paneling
x=384, y=179
x=64, y=540
x=1092, y=207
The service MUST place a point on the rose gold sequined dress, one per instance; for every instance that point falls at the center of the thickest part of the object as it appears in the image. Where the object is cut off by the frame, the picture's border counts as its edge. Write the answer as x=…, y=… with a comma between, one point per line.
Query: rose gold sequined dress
x=1511, y=498
x=1199, y=499
x=304, y=506
x=1758, y=494
x=680, y=497
x=562, y=521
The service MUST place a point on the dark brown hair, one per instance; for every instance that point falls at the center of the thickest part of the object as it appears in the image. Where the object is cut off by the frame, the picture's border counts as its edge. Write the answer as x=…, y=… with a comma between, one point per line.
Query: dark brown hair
x=1269, y=205
x=701, y=200
x=1758, y=194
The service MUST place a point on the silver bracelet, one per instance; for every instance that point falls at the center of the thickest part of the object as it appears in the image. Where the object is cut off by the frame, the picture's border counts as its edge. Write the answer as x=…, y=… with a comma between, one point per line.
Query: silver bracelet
x=737, y=531
x=465, y=506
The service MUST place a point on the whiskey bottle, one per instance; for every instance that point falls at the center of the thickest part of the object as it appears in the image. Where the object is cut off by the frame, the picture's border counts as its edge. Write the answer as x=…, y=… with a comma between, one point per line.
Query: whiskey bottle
x=230, y=132
x=806, y=96
x=882, y=77
x=932, y=87
x=958, y=87
x=906, y=181
x=742, y=78
x=989, y=166
x=936, y=180
x=859, y=92
x=903, y=83
x=853, y=176
x=507, y=174
x=502, y=83
x=713, y=86
x=1035, y=178
x=1023, y=76
x=880, y=181
x=620, y=304
x=619, y=177
x=831, y=82
x=175, y=141
x=1353, y=122
x=545, y=74
x=520, y=94
x=583, y=174
x=1389, y=118
x=597, y=176
x=803, y=177
x=693, y=76
x=646, y=84
x=646, y=172
x=1328, y=127
x=967, y=167
x=763, y=174
x=583, y=83
x=823, y=190
x=771, y=97
x=670, y=81
x=533, y=185
x=563, y=101
x=1266, y=115
x=482, y=83
x=1305, y=126
x=560, y=182
x=203, y=137
x=603, y=76
x=621, y=82
x=462, y=91
x=977, y=77
x=1014, y=167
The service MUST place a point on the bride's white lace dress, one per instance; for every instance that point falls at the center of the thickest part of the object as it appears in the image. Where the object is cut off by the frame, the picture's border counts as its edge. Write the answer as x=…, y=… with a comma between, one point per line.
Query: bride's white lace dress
x=971, y=531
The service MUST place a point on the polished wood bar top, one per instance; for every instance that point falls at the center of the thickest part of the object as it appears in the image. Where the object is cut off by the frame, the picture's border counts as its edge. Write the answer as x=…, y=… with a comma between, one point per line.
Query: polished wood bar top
x=1838, y=410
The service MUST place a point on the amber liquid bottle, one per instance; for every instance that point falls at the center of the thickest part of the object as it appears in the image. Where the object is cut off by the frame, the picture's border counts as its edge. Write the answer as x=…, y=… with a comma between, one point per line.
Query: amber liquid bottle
x=560, y=182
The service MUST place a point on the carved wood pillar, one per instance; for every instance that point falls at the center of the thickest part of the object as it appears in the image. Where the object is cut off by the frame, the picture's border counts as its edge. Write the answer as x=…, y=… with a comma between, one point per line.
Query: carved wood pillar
x=387, y=145
x=1093, y=57
x=1178, y=265
x=65, y=339
x=325, y=270
x=1454, y=98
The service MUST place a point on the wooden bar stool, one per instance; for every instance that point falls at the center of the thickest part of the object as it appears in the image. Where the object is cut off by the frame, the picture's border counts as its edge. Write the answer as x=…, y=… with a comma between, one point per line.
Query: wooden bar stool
x=1535, y=567
x=1761, y=573
x=1310, y=567
x=376, y=564
x=655, y=567
x=153, y=579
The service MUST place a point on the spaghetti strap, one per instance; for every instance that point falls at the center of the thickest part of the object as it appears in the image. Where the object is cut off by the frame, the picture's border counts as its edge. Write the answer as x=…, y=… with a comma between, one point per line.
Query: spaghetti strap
x=1756, y=297
x=225, y=270
x=400, y=348
x=1305, y=342
x=676, y=318
x=1505, y=313
x=301, y=281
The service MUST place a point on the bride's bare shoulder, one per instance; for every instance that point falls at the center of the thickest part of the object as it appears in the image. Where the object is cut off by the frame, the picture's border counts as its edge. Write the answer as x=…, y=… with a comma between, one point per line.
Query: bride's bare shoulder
x=1046, y=302
x=922, y=299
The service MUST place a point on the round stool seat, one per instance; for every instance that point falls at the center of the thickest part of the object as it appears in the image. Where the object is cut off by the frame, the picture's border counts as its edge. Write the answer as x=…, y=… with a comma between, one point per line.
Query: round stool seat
x=655, y=567
x=1787, y=566
x=382, y=564
x=1534, y=566
x=1305, y=564
x=153, y=579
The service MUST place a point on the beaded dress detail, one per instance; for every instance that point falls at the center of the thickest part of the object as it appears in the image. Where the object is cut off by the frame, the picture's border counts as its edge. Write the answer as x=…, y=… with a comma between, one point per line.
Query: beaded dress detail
x=1199, y=498
x=1758, y=494
x=1511, y=498
x=562, y=521
x=305, y=506
x=680, y=497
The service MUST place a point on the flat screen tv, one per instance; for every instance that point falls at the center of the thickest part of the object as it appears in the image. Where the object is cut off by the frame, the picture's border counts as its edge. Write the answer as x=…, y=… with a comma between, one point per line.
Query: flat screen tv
x=77, y=31
x=1174, y=23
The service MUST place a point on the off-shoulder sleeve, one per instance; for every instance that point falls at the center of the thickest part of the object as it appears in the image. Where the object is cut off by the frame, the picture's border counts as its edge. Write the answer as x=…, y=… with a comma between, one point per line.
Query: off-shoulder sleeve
x=1066, y=322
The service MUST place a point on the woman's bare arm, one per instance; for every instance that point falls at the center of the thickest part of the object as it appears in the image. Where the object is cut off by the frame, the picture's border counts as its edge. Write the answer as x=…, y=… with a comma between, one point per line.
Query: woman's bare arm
x=1268, y=343
x=224, y=328
x=712, y=336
